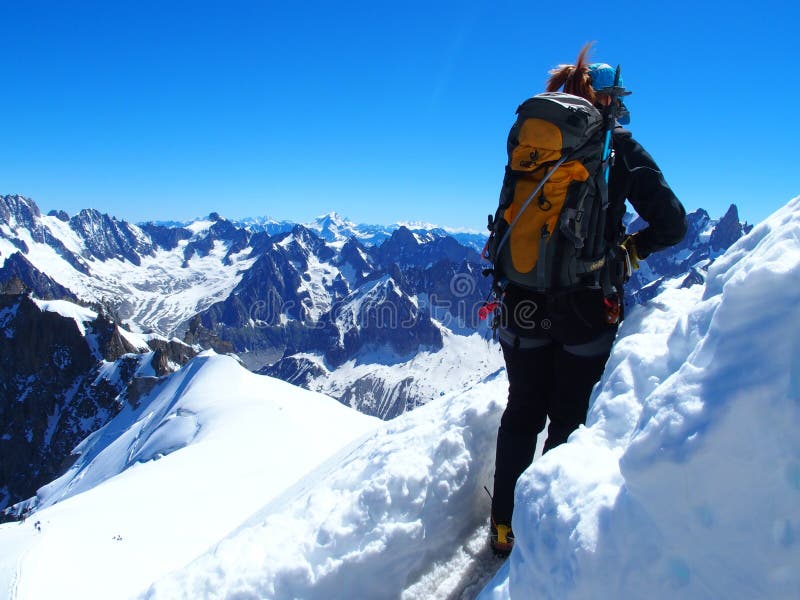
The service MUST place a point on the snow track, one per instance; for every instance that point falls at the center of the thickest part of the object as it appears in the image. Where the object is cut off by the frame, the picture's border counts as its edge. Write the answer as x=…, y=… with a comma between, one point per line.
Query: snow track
x=463, y=574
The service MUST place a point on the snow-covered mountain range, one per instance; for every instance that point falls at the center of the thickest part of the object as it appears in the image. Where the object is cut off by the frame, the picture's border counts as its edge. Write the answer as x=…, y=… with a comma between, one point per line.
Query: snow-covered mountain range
x=318, y=295
x=684, y=482
x=336, y=230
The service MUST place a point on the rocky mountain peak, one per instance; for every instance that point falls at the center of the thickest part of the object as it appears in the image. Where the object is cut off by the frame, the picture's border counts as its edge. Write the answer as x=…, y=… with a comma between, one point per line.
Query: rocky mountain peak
x=402, y=247
x=355, y=254
x=18, y=275
x=60, y=215
x=307, y=239
x=728, y=230
x=105, y=237
x=404, y=236
x=333, y=227
x=18, y=211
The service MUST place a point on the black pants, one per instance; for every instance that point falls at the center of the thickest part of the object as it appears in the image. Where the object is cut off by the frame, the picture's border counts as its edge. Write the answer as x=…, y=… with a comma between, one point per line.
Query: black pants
x=545, y=379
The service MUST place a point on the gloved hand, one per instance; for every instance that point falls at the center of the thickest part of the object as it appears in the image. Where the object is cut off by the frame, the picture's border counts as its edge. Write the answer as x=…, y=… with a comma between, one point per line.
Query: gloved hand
x=630, y=245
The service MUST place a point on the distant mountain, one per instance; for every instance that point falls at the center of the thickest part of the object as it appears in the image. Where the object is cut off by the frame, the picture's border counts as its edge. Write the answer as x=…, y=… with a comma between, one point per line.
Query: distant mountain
x=335, y=229
x=18, y=275
x=310, y=303
x=153, y=277
x=705, y=241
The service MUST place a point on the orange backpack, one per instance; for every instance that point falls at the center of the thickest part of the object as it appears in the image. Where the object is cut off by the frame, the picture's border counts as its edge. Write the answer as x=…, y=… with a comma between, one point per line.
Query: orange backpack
x=548, y=231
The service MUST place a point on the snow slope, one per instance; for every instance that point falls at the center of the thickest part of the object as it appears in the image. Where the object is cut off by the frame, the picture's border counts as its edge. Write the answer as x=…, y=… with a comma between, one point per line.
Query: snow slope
x=160, y=484
x=686, y=482
x=386, y=516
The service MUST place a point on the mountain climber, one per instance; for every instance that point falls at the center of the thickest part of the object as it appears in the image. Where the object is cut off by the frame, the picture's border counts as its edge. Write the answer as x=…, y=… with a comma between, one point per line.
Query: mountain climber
x=556, y=342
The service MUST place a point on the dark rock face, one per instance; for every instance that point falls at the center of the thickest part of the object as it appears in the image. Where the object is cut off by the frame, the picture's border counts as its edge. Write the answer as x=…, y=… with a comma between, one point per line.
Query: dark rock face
x=354, y=258
x=111, y=344
x=368, y=394
x=60, y=215
x=295, y=370
x=166, y=354
x=238, y=239
x=44, y=369
x=18, y=275
x=728, y=230
x=199, y=247
x=374, y=396
x=693, y=278
x=107, y=238
x=166, y=238
x=19, y=211
x=58, y=385
x=307, y=242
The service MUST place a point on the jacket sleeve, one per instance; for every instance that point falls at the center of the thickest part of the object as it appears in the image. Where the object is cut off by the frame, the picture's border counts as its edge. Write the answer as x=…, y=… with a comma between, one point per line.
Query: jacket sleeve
x=650, y=195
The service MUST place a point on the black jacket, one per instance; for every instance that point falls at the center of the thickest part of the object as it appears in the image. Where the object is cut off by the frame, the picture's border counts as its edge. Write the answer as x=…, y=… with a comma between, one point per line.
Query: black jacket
x=636, y=177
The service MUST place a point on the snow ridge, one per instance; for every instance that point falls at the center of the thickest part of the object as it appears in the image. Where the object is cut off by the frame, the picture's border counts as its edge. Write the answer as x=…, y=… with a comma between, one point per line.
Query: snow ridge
x=376, y=518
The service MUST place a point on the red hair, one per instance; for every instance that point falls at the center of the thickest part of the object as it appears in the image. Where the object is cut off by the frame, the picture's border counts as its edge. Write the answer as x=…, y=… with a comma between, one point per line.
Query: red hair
x=574, y=78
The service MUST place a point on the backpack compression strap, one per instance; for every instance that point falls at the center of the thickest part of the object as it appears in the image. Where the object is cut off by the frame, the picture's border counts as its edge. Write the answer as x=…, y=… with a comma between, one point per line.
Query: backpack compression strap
x=527, y=202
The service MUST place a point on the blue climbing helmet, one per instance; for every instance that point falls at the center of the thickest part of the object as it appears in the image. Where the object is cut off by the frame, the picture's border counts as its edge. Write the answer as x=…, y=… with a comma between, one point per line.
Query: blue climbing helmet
x=603, y=78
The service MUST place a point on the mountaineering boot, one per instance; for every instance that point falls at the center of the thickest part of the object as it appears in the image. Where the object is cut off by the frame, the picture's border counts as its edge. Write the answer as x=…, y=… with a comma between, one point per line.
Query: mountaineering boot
x=501, y=538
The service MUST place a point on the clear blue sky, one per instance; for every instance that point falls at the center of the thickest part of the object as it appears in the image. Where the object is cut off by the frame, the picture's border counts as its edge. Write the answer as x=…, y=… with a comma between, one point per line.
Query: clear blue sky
x=380, y=111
